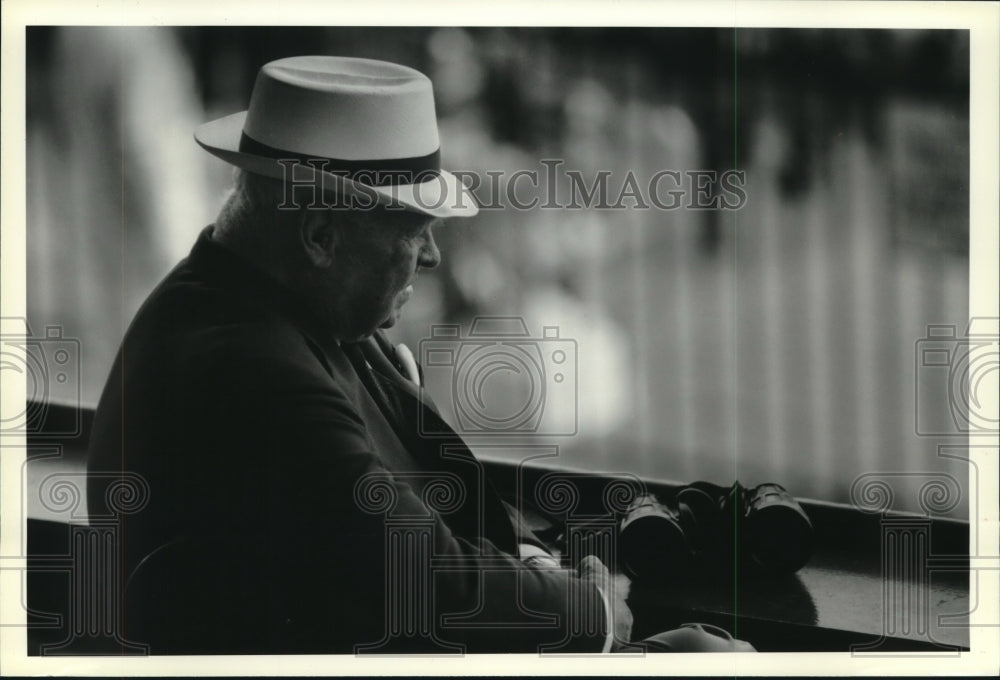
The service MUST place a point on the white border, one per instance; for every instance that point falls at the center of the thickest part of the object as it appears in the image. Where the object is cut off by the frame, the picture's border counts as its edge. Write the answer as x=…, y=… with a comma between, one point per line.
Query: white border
x=982, y=19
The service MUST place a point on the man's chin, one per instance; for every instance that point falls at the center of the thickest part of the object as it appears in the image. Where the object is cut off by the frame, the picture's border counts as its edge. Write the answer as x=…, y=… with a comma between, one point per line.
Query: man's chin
x=393, y=317
x=397, y=309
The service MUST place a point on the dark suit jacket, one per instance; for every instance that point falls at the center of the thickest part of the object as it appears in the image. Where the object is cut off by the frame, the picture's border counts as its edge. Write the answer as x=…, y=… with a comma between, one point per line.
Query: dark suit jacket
x=293, y=507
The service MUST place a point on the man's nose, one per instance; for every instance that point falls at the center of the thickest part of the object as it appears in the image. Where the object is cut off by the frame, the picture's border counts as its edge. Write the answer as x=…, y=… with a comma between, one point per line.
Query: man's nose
x=430, y=256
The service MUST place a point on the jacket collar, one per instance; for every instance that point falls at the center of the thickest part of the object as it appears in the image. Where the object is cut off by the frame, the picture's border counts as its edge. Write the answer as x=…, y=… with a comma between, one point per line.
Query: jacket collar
x=221, y=266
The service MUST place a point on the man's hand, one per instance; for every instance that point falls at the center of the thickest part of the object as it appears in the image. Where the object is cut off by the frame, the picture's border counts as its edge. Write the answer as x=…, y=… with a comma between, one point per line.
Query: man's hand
x=615, y=590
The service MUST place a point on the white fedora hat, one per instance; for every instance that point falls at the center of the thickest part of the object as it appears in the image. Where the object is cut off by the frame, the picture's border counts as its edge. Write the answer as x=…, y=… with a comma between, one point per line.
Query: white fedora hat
x=362, y=129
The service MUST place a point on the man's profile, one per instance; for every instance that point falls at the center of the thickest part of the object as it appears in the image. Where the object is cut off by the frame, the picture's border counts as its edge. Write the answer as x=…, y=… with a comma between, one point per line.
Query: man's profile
x=276, y=425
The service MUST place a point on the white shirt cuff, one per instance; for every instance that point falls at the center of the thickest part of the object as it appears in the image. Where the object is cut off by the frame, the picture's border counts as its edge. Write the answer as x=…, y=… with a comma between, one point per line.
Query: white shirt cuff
x=526, y=551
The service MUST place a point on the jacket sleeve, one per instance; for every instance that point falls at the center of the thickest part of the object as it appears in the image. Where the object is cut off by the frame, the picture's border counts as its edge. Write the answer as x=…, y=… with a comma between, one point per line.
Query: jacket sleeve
x=395, y=578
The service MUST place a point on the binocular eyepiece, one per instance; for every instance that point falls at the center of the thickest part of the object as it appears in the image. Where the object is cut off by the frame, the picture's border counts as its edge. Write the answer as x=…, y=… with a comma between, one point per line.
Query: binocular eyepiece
x=703, y=523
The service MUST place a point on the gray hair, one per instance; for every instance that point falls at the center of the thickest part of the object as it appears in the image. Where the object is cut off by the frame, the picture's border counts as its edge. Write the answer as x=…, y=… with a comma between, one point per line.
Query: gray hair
x=260, y=213
x=252, y=207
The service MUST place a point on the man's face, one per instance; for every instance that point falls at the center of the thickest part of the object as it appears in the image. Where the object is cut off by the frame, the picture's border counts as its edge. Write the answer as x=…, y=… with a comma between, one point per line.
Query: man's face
x=375, y=267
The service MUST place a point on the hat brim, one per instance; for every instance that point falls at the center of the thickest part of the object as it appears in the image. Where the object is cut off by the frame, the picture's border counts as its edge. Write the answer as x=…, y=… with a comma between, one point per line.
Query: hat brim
x=440, y=196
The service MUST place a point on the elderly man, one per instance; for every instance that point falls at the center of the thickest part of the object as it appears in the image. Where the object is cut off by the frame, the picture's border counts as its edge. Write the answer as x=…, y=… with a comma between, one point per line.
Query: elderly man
x=293, y=505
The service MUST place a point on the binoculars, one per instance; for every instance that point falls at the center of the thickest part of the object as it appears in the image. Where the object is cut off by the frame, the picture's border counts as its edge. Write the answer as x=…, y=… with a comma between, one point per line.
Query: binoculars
x=704, y=524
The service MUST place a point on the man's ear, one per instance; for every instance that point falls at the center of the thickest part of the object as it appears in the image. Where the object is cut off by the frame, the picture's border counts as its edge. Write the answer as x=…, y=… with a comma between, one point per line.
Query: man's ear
x=318, y=237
